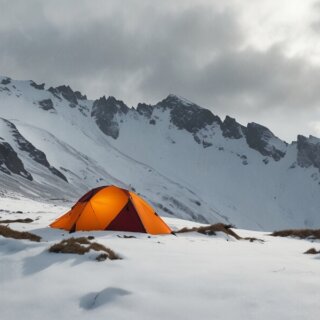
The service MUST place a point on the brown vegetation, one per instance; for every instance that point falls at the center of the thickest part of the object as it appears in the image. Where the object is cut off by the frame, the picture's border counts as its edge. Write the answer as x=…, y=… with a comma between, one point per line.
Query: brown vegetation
x=312, y=251
x=298, y=233
x=26, y=220
x=252, y=239
x=21, y=235
x=81, y=246
x=211, y=230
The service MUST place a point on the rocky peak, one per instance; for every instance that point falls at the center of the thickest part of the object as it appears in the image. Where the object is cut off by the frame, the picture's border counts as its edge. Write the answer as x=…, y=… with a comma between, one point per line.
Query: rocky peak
x=104, y=112
x=5, y=81
x=145, y=109
x=263, y=140
x=80, y=96
x=37, y=86
x=308, y=152
x=232, y=129
x=66, y=92
x=187, y=115
x=112, y=103
x=173, y=100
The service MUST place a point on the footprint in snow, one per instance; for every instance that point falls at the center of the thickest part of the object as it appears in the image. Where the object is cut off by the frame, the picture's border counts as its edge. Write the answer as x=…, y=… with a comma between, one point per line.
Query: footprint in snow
x=95, y=300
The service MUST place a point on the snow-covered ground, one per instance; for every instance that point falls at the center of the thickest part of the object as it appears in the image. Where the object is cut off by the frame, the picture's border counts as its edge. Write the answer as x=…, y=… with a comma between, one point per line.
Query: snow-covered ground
x=188, y=276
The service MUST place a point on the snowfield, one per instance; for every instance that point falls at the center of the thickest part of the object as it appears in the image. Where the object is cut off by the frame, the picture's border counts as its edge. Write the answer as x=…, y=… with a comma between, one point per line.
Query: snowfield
x=188, y=276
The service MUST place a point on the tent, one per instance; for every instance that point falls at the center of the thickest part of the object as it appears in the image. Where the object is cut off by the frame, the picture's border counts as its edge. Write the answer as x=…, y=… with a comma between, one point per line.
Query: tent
x=112, y=208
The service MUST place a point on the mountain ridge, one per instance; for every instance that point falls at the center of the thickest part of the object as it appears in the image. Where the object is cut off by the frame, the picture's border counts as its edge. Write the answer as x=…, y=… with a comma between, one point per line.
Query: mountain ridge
x=176, y=153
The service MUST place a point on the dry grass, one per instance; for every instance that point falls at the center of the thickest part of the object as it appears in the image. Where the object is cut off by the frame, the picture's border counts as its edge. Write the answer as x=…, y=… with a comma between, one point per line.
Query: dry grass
x=298, y=233
x=212, y=230
x=252, y=239
x=71, y=245
x=81, y=246
x=312, y=251
x=21, y=235
x=27, y=220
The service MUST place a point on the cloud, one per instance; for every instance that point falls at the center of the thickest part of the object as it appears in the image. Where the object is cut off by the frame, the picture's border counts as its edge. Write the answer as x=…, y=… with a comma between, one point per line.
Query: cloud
x=315, y=125
x=142, y=51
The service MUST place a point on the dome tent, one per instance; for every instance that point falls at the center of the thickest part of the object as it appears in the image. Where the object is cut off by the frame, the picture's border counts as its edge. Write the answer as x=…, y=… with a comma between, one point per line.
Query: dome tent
x=112, y=208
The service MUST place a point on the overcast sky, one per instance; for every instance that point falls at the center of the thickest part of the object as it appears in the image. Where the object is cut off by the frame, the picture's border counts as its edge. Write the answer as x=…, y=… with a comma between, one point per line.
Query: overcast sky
x=253, y=60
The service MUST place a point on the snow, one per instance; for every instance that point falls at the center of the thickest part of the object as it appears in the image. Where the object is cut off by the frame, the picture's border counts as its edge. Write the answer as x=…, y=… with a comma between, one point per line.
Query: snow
x=188, y=276
x=177, y=175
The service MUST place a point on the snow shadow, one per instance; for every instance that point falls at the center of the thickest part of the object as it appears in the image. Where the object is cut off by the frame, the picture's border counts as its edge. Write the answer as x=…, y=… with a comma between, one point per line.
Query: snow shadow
x=11, y=246
x=49, y=234
x=45, y=259
x=95, y=300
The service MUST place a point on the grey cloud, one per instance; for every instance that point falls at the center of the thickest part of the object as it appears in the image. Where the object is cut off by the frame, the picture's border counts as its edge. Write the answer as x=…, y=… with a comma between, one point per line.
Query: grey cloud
x=315, y=25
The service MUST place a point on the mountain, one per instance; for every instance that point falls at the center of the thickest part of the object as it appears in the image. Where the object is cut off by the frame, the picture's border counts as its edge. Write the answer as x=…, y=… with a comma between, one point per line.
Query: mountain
x=56, y=144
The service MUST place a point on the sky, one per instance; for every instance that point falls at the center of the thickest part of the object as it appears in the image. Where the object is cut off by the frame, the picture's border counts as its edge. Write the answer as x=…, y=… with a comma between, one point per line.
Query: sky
x=256, y=61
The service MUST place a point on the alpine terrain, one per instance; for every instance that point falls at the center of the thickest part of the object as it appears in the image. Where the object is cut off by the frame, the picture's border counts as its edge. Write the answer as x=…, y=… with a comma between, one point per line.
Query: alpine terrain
x=194, y=169
x=55, y=144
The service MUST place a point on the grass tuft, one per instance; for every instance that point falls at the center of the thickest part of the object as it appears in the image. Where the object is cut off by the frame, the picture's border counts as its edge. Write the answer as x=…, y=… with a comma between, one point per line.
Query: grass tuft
x=19, y=235
x=81, y=246
x=312, y=251
x=71, y=245
x=27, y=220
x=298, y=233
x=212, y=230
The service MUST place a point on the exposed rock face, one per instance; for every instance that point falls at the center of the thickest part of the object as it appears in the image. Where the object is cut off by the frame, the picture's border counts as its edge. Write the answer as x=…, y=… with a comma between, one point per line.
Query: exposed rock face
x=186, y=115
x=37, y=86
x=46, y=104
x=263, y=140
x=145, y=109
x=6, y=81
x=232, y=129
x=34, y=153
x=308, y=152
x=67, y=93
x=80, y=96
x=11, y=163
x=104, y=112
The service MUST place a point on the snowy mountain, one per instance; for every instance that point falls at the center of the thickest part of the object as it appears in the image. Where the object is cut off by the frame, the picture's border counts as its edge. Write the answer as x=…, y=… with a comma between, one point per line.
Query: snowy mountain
x=56, y=144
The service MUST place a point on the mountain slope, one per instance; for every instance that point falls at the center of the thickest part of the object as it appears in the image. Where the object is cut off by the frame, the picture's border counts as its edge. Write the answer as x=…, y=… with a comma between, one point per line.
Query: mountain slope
x=182, y=158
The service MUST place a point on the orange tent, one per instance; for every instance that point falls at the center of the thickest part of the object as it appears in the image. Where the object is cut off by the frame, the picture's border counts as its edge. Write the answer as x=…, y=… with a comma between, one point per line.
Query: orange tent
x=112, y=208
